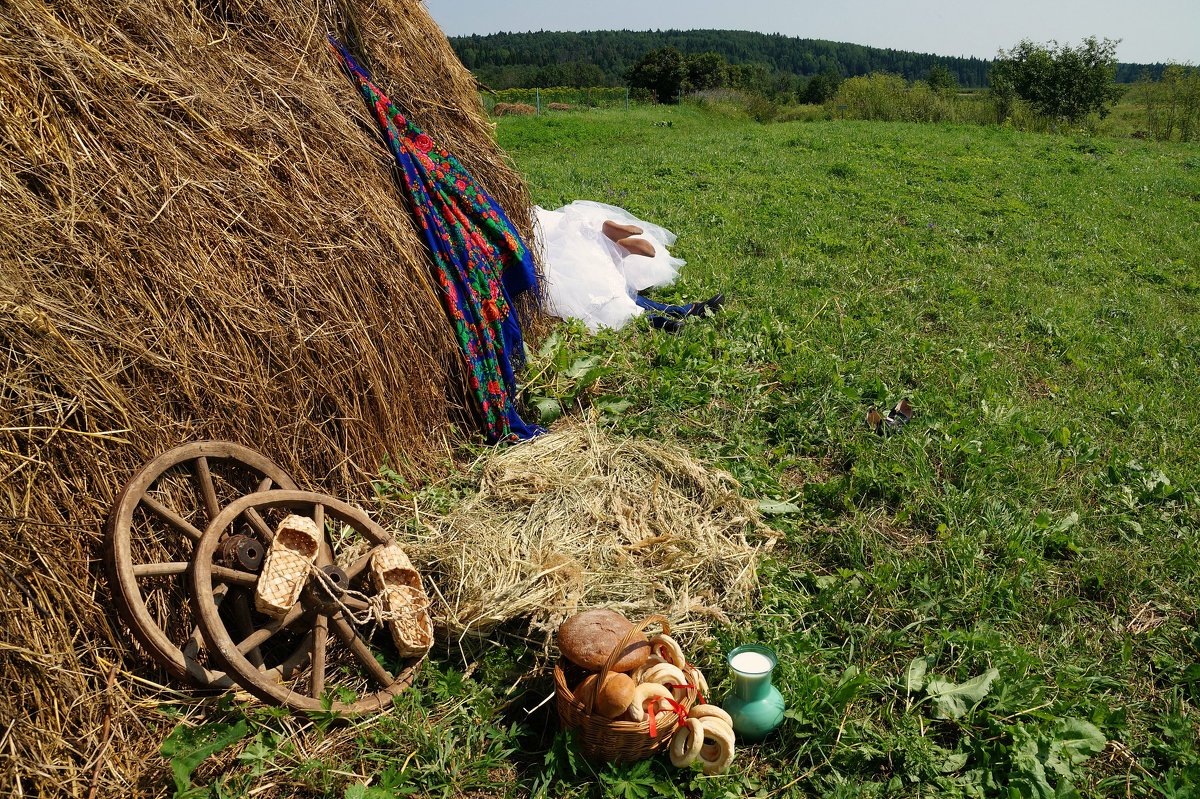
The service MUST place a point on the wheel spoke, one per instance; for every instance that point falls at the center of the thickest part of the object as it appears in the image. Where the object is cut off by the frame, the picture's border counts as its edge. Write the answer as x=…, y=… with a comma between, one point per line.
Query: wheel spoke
x=171, y=517
x=160, y=569
x=320, y=637
x=195, y=641
x=242, y=618
x=260, y=526
x=349, y=636
x=353, y=603
x=264, y=633
x=265, y=484
x=235, y=576
x=359, y=565
x=207, y=490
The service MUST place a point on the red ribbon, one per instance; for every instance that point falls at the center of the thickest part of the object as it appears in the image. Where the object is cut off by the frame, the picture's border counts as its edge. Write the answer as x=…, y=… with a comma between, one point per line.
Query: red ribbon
x=679, y=709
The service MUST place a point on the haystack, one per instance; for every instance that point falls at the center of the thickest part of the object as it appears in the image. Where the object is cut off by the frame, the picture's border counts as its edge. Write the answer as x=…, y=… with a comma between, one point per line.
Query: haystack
x=581, y=518
x=199, y=238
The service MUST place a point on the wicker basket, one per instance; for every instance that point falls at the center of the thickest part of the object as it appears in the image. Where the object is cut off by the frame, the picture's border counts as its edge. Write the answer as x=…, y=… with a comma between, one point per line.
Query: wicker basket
x=606, y=739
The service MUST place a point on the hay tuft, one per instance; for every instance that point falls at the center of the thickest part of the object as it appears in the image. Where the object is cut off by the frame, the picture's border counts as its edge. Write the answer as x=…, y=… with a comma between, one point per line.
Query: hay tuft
x=579, y=518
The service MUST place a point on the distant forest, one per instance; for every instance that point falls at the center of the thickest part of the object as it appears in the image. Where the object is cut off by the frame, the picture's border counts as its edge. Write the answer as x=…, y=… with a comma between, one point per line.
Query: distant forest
x=601, y=58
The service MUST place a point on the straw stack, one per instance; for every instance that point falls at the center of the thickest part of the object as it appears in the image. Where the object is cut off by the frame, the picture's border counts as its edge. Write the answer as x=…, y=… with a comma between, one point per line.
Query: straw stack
x=200, y=237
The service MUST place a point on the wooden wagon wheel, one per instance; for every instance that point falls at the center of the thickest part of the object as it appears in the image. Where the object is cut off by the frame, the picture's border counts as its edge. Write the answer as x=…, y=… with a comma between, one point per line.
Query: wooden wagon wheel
x=152, y=531
x=354, y=665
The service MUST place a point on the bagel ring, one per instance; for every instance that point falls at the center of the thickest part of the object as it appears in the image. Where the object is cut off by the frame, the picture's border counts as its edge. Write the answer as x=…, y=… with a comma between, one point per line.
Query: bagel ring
x=685, y=746
x=711, y=711
x=717, y=757
x=643, y=693
x=665, y=647
x=696, y=678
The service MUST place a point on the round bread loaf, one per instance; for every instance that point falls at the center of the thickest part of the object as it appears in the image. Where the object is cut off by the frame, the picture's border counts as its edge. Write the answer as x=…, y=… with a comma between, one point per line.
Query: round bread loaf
x=614, y=697
x=587, y=639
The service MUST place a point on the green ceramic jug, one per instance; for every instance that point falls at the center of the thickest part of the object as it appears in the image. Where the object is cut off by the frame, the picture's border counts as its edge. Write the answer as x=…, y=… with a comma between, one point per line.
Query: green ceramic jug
x=755, y=705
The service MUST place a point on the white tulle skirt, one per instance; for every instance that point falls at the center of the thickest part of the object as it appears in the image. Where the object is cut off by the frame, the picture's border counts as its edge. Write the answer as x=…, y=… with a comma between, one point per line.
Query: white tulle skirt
x=588, y=276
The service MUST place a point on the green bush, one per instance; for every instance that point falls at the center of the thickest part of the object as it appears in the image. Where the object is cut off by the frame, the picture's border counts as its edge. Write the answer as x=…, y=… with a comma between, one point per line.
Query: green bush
x=1172, y=104
x=889, y=98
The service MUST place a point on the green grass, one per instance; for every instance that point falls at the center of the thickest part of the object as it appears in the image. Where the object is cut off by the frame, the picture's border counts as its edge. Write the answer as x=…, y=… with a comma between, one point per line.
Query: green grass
x=1036, y=298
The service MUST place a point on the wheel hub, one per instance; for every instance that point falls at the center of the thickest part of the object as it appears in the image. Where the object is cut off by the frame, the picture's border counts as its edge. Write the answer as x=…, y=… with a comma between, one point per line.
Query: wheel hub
x=242, y=551
x=327, y=587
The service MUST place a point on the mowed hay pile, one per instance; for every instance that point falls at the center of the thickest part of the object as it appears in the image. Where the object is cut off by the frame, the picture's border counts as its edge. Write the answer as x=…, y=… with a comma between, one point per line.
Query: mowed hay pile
x=200, y=237
x=578, y=518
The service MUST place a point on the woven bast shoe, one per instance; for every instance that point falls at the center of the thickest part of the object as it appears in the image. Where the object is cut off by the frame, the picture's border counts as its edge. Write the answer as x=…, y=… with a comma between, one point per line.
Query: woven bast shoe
x=289, y=559
x=405, y=604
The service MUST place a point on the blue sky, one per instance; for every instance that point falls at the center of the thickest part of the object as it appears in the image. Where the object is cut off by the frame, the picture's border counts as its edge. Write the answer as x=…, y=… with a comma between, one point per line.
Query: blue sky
x=1149, y=30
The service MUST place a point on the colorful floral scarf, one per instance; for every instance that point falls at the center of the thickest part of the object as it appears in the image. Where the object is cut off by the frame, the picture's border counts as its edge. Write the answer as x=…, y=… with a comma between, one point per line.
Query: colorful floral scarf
x=479, y=259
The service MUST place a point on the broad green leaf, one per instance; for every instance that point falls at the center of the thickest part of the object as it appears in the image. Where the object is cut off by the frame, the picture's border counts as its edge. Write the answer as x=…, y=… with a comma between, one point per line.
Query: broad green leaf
x=587, y=378
x=914, y=675
x=952, y=701
x=849, y=685
x=188, y=747
x=775, y=507
x=1080, y=740
x=953, y=762
x=548, y=409
x=1066, y=523
x=549, y=345
x=616, y=407
x=582, y=366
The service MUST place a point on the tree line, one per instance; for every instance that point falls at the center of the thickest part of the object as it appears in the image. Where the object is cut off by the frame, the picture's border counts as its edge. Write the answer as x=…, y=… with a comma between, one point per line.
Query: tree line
x=773, y=62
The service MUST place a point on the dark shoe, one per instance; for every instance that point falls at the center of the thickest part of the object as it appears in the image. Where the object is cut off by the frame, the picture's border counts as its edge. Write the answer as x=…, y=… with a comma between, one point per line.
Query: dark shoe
x=668, y=324
x=897, y=417
x=875, y=420
x=900, y=415
x=709, y=307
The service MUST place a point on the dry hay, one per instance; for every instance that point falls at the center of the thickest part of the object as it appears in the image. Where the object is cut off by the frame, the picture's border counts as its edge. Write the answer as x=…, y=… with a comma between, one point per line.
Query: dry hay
x=578, y=518
x=200, y=237
x=513, y=109
x=561, y=107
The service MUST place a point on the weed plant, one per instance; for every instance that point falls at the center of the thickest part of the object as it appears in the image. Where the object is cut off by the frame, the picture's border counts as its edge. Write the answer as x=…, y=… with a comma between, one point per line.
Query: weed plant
x=1000, y=599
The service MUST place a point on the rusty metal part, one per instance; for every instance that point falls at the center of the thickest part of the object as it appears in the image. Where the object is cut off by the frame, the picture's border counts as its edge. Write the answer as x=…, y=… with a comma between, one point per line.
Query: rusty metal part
x=141, y=513
x=327, y=616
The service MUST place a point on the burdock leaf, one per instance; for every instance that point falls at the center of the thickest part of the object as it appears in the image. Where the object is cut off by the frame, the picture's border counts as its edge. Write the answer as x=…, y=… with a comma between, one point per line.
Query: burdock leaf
x=1080, y=740
x=774, y=507
x=952, y=701
x=914, y=675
